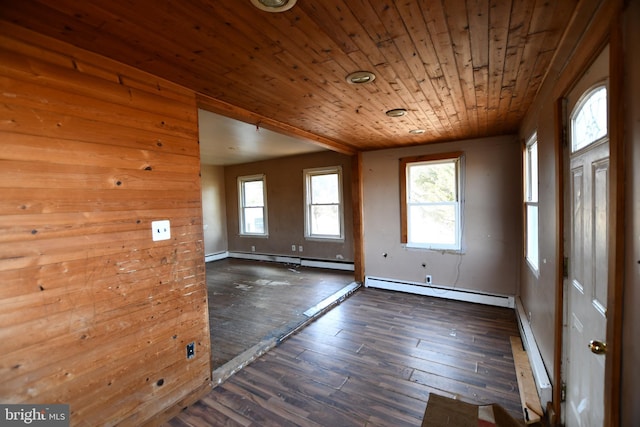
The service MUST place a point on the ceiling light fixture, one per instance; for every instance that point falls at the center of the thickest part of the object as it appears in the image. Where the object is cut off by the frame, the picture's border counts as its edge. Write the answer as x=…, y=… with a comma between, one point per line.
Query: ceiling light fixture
x=274, y=5
x=396, y=112
x=361, y=77
x=416, y=131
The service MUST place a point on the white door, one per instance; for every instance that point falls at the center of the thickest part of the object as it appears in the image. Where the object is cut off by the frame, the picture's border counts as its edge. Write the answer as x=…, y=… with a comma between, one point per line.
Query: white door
x=587, y=247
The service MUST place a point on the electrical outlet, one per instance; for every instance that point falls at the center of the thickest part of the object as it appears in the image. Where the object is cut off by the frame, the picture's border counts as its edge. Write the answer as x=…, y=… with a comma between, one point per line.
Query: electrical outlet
x=191, y=350
x=160, y=230
x=293, y=248
x=253, y=248
x=427, y=279
x=300, y=248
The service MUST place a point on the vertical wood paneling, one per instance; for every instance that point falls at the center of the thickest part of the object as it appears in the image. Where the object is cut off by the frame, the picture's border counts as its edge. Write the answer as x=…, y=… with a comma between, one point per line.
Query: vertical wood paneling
x=478, y=16
x=93, y=313
x=499, y=16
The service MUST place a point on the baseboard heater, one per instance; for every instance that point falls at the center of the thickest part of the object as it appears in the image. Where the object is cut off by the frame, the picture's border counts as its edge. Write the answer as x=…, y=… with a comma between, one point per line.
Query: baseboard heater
x=439, y=291
x=543, y=384
x=305, y=262
x=216, y=256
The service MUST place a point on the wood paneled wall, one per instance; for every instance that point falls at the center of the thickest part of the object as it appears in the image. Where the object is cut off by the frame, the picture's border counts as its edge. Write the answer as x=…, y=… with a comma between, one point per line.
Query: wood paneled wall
x=94, y=313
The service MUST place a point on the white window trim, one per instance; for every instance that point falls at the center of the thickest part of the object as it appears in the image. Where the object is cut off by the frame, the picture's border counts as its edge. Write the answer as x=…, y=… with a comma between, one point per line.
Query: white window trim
x=458, y=158
x=307, y=174
x=534, y=265
x=241, y=181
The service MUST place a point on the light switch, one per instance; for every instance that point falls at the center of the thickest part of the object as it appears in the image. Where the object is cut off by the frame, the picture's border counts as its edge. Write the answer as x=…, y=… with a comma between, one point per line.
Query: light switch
x=161, y=230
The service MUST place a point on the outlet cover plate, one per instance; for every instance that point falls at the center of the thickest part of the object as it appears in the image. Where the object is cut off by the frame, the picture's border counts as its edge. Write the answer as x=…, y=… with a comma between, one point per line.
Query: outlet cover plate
x=161, y=230
x=191, y=350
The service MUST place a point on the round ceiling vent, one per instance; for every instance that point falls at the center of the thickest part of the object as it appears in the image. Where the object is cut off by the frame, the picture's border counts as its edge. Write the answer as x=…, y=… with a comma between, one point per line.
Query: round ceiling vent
x=274, y=5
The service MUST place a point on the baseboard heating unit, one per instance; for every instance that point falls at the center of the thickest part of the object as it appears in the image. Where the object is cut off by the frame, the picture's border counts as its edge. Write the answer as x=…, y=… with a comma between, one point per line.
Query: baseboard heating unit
x=540, y=376
x=439, y=292
x=216, y=256
x=305, y=262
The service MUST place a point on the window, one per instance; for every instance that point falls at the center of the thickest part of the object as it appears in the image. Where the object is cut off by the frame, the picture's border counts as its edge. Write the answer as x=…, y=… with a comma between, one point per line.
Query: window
x=589, y=122
x=531, y=201
x=323, y=203
x=253, y=203
x=431, y=201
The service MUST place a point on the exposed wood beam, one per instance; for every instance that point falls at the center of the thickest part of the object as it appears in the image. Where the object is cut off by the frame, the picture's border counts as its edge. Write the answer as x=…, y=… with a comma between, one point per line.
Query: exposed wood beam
x=613, y=364
x=358, y=223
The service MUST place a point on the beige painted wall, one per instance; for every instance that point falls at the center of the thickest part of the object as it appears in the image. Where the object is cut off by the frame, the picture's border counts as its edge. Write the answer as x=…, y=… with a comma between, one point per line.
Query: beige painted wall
x=492, y=219
x=631, y=315
x=538, y=293
x=214, y=214
x=285, y=204
x=538, y=289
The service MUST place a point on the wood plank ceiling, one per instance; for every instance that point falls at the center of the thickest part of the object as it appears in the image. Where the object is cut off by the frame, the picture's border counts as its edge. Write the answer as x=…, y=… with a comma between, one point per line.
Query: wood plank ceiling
x=461, y=68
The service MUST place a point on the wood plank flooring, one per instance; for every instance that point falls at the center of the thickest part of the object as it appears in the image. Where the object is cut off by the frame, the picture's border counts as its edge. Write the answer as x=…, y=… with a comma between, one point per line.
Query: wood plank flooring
x=371, y=361
x=250, y=301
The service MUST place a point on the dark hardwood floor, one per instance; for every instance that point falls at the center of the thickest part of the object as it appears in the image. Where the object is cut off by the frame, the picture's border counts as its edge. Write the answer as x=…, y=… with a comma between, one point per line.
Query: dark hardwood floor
x=371, y=361
x=253, y=301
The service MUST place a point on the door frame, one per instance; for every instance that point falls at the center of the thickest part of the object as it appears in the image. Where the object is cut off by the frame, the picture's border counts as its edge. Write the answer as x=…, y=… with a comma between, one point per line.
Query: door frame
x=605, y=27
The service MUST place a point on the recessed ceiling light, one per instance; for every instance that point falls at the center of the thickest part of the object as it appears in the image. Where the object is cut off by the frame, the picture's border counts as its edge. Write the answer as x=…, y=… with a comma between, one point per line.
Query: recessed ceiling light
x=396, y=112
x=416, y=131
x=361, y=77
x=274, y=5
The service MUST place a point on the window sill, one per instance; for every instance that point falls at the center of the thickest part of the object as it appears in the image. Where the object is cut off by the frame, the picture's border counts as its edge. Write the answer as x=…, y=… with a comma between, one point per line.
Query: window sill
x=454, y=251
x=324, y=239
x=532, y=269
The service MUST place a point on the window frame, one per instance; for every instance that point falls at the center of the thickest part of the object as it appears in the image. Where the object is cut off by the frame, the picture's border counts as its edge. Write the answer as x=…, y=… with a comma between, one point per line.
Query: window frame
x=531, y=200
x=241, y=206
x=405, y=163
x=307, y=182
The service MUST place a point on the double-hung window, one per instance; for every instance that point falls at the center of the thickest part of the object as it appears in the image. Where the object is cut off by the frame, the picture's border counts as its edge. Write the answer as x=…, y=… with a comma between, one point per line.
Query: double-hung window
x=253, y=205
x=324, y=218
x=431, y=201
x=531, y=202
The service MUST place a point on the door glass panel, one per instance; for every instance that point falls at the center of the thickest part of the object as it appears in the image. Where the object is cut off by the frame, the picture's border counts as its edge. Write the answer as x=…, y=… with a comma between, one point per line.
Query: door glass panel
x=589, y=122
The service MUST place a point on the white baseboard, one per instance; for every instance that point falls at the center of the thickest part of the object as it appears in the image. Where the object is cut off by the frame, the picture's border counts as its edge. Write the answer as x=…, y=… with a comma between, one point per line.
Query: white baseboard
x=543, y=384
x=216, y=256
x=265, y=257
x=439, y=292
x=347, y=266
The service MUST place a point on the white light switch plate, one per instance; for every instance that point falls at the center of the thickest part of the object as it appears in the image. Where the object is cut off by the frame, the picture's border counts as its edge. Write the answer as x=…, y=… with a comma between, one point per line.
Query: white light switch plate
x=161, y=230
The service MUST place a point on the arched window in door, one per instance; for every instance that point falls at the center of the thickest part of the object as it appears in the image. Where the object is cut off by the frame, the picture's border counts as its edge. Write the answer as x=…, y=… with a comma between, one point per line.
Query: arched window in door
x=589, y=119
